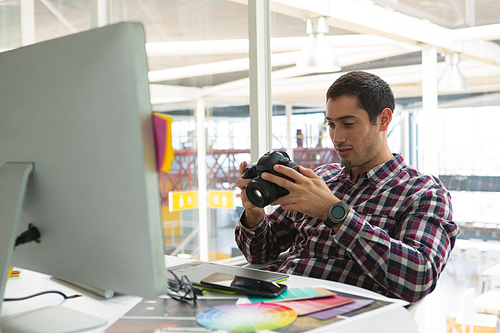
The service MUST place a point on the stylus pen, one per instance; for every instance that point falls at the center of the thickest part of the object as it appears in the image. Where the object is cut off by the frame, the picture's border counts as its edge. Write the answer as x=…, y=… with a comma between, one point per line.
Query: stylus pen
x=199, y=291
x=187, y=329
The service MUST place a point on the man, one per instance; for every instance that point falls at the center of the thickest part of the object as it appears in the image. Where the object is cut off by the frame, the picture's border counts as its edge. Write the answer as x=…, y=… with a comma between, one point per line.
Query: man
x=371, y=221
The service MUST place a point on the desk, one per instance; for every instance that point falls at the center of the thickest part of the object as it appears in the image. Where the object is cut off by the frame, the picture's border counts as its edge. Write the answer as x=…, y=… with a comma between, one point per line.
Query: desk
x=488, y=302
x=491, y=271
x=391, y=318
x=489, y=275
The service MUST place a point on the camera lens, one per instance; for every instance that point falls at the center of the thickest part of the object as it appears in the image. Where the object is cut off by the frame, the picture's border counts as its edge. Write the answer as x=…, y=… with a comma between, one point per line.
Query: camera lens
x=257, y=193
x=261, y=193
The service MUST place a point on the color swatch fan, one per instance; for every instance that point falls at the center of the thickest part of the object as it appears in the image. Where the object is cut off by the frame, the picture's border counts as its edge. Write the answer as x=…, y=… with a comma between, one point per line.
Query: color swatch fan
x=246, y=317
x=163, y=138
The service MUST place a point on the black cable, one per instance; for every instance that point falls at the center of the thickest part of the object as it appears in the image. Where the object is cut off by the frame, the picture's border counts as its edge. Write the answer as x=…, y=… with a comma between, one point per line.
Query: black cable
x=40, y=294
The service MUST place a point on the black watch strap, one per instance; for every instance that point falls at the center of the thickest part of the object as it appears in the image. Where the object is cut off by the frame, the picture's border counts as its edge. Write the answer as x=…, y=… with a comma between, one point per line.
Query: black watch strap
x=337, y=213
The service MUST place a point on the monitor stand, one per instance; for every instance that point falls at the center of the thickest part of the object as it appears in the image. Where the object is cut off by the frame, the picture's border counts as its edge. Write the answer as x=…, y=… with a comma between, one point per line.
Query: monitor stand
x=13, y=182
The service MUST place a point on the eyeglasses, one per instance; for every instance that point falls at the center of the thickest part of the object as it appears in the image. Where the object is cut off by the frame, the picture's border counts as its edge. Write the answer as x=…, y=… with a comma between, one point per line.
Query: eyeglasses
x=180, y=289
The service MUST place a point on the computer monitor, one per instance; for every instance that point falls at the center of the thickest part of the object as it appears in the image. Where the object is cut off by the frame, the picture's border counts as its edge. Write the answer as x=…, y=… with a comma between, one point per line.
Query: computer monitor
x=77, y=109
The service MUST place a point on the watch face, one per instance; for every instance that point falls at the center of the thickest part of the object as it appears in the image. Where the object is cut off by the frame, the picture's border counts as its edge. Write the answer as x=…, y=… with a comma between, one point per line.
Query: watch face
x=338, y=212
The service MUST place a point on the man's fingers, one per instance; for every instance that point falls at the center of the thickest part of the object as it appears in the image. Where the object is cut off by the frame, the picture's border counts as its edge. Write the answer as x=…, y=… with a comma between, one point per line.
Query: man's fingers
x=241, y=183
x=280, y=181
x=307, y=172
x=243, y=166
x=289, y=172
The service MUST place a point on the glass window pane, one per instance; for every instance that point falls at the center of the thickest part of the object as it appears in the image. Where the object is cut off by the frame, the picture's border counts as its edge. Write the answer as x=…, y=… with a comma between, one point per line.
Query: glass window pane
x=10, y=25
x=60, y=18
x=194, y=46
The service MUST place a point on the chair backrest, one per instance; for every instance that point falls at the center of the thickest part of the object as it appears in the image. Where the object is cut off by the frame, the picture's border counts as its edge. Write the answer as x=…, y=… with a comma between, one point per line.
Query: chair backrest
x=492, y=257
x=473, y=254
x=466, y=309
x=494, y=282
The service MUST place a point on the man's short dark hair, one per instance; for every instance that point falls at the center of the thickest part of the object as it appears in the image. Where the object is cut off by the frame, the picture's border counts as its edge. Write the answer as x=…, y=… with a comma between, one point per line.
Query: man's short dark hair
x=373, y=93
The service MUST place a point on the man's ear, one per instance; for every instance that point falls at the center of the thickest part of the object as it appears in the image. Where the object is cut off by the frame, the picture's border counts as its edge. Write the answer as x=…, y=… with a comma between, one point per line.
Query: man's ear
x=385, y=119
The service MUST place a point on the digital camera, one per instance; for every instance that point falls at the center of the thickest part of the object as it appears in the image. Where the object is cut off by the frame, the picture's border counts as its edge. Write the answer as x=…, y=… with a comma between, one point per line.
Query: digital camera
x=260, y=192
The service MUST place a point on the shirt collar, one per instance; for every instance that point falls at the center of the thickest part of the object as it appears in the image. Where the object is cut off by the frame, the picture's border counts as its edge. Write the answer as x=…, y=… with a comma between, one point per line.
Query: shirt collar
x=377, y=175
x=386, y=171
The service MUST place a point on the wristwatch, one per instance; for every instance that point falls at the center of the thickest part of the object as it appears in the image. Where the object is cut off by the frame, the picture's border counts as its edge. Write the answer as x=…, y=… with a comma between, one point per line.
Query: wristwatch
x=336, y=214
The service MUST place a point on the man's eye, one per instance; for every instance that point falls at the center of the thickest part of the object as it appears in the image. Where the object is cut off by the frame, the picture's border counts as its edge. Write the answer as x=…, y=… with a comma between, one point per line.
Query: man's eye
x=348, y=124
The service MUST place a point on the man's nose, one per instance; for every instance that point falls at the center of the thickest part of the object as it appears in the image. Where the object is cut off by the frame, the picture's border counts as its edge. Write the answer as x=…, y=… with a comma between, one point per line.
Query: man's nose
x=338, y=136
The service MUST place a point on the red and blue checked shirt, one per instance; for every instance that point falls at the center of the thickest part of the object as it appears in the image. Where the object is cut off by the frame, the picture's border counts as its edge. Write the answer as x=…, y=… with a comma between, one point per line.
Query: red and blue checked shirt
x=396, y=239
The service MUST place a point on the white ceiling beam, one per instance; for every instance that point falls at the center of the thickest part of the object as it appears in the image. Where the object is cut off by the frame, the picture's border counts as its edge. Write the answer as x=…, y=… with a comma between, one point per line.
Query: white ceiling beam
x=228, y=66
x=164, y=94
x=199, y=47
x=278, y=45
x=347, y=57
x=483, y=32
x=369, y=18
x=395, y=76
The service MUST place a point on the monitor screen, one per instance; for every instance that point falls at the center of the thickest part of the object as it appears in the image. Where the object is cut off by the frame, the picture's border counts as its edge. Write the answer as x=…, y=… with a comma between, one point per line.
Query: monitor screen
x=78, y=108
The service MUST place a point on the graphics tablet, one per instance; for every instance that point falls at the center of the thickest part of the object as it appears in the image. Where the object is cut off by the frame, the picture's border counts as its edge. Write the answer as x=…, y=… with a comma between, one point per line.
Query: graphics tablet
x=198, y=270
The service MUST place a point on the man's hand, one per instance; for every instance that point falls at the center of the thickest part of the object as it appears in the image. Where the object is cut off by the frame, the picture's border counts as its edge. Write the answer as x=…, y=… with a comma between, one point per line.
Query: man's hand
x=252, y=214
x=309, y=194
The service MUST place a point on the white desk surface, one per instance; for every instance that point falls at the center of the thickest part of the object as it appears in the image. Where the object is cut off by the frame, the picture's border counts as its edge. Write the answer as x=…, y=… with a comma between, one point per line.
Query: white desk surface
x=392, y=318
x=489, y=300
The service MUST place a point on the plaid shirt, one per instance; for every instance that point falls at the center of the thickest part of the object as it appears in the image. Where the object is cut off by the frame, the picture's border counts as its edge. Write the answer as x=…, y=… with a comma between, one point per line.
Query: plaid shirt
x=396, y=239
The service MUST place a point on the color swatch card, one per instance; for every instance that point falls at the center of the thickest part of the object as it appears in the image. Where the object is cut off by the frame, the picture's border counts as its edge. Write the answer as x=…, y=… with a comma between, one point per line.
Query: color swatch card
x=294, y=294
x=307, y=306
x=341, y=310
x=246, y=317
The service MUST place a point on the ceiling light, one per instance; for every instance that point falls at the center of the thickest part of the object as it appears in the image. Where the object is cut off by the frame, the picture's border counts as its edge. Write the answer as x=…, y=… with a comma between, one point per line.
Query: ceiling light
x=318, y=56
x=452, y=79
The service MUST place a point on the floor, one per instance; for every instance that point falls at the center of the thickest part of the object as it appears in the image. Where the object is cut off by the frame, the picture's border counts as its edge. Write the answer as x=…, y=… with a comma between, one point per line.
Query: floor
x=431, y=315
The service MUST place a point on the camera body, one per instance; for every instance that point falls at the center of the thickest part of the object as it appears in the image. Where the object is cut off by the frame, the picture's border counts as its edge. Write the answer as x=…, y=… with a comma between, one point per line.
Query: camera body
x=260, y=192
